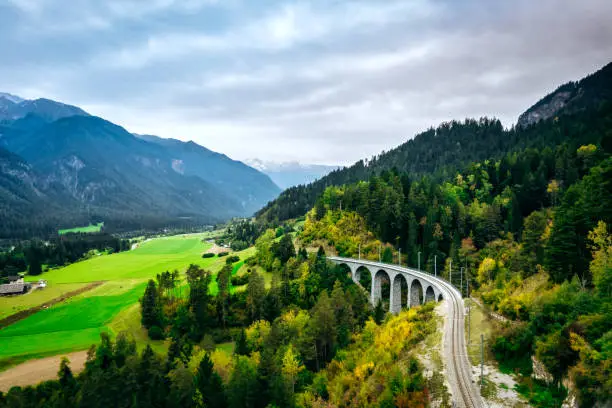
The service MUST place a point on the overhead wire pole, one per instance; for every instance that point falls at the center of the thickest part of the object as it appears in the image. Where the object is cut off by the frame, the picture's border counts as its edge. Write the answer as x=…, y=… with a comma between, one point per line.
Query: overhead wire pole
x=419, y=261
x=461, y=285
x=436, y=265
x=450, y=271
x=481, y=359
x=399, y=257
x=469, y=311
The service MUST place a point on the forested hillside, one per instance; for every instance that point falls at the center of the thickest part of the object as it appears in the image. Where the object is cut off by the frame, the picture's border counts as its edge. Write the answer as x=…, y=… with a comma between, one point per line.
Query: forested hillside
x=68, y=168
x=450, y=147
x=540, y=216
x=531, y=225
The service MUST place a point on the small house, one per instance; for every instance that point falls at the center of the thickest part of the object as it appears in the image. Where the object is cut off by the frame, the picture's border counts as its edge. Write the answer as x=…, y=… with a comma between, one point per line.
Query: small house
x=14, y=288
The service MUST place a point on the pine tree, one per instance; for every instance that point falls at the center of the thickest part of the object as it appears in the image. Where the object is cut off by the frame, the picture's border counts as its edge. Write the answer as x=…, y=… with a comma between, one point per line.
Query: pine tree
x=324, y=326
x=241, y=348
x=209, y=383
x=379, y=312
x=34, y=267
x=66, y=380
x=223, y=283
x=256, y=296
x=150, y=306
x=344, y=315
x=284, y=250
x=243, y=387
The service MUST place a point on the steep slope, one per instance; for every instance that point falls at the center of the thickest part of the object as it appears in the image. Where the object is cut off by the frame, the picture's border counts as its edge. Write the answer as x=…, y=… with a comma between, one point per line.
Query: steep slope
x=12, y=108
x=449, y=146
x=251, y=188
x=87, y=168
x=571, y=97
x=452, y=145
x=10, y=97
x=26, y=204
x=102, y=165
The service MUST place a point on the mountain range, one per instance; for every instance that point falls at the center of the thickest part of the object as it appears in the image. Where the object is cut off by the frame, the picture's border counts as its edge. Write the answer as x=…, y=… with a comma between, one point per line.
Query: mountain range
x=443, y=151
x=290, y=174
x=62, y=167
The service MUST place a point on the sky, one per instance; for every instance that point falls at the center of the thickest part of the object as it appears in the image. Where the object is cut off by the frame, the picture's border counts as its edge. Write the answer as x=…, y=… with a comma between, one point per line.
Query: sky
x=320, y=81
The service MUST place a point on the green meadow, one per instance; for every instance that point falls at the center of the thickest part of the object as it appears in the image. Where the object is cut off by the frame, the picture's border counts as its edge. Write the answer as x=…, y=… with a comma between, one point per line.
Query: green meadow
x=112, y=307
x=88, y=229
x=144, y=262
x=12, y=304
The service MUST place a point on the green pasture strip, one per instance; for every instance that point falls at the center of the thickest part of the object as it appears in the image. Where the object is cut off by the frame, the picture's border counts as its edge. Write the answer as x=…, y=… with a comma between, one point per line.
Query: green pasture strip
x=12, y=304
x=88, y=229
x=145, y=262
x=65, y=327
x=26, y=347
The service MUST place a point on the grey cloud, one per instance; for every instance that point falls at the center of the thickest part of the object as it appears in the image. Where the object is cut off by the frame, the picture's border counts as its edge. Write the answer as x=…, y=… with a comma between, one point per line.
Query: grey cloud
x=316, y=81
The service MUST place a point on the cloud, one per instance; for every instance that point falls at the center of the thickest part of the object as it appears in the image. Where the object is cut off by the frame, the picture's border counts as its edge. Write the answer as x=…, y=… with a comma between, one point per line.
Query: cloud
x=315, y=81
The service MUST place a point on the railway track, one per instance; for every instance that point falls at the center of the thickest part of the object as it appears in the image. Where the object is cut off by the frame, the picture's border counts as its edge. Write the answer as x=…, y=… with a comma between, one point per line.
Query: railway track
x=459, y=369
x=466, y=394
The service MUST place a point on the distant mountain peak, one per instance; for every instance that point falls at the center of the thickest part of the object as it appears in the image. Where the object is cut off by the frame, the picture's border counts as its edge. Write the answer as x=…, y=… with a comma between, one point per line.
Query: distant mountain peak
x=291, y=173
x=14, y=108
x=11, y=97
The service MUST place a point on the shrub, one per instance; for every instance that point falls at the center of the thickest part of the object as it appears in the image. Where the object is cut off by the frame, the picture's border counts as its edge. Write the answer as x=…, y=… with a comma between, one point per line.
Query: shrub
x=232, y=258
x=240, y=280
x=221, y=254
x=208, y=255
x=156, y=333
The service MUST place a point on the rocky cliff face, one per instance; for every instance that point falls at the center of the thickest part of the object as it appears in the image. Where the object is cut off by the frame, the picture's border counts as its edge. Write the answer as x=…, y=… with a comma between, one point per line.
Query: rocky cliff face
x=546, y=110
x=572, y=97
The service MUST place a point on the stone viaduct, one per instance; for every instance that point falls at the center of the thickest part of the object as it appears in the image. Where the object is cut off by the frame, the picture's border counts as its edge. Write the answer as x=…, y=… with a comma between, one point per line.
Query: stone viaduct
x=421, y=287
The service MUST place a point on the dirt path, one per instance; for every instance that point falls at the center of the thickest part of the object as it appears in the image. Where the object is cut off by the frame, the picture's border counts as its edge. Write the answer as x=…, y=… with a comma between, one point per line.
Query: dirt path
x=216, y=249
x=34, y=371
x=28, y=312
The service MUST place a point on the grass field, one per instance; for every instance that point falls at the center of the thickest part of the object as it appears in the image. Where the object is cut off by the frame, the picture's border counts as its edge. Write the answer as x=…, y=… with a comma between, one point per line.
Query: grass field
x=68, y=326
x=144, y=262
x=128, y=320
x=13, y=304
x=76, y=323
x=88, y=229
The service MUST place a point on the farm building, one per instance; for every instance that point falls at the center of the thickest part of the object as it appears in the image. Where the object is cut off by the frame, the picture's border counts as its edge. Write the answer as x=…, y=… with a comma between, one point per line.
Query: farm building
x=14, y=288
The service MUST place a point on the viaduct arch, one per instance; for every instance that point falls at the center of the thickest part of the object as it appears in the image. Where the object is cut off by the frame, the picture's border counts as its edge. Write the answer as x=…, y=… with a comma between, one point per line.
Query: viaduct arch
x=419, y=287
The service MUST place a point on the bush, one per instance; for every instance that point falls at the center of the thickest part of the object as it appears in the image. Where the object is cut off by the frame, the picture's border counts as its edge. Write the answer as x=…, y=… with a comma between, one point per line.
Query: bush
x=208, y=255
x=221, y=254
x=232, y=258
x=156, y=333
x=240, y=280
x=239, y=245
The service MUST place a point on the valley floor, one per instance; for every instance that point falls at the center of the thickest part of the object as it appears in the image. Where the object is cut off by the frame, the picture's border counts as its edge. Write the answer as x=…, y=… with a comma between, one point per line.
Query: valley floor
x=75, y=322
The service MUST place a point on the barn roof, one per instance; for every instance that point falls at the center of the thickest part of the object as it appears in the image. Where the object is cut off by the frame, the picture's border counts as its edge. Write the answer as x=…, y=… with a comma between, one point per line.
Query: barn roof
x=12, y=288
